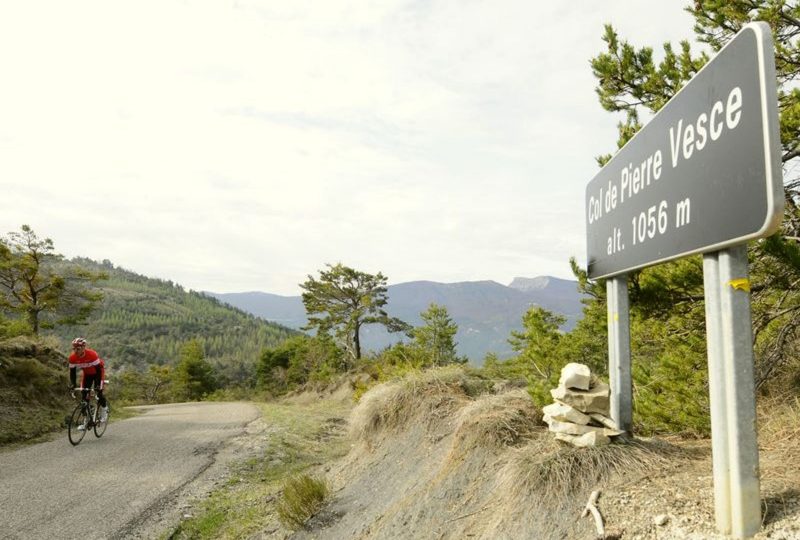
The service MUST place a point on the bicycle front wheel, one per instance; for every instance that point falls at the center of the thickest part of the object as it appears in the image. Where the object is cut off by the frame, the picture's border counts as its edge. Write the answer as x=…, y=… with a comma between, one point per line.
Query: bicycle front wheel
x=100, y=427
x=78, y=422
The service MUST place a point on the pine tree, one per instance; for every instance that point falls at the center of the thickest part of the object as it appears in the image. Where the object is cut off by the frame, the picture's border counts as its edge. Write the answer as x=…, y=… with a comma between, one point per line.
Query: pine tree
x=538, y=345
x=437, y=336
x=36, y=284
x=194, y=376
x=342, y=301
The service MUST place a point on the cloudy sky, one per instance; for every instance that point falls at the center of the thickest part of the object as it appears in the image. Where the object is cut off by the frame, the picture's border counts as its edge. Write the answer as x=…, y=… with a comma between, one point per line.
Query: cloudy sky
x=241, y=145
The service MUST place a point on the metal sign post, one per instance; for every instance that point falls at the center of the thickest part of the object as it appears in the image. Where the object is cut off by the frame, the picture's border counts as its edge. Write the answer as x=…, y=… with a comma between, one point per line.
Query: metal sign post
x=732, y=387
x=619, y=353
x=716, y=389
x=740, y=400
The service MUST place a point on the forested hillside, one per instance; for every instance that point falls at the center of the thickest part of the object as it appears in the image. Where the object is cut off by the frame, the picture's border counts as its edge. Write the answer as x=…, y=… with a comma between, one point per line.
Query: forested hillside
x=143, y=321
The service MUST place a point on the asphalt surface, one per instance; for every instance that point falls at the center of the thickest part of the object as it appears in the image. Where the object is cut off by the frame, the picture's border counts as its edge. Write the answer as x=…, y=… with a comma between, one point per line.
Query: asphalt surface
x=104, y=488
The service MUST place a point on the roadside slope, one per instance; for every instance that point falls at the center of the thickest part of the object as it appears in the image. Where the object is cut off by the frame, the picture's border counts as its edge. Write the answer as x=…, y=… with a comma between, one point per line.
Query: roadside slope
x=442, y=456
x=33, y=389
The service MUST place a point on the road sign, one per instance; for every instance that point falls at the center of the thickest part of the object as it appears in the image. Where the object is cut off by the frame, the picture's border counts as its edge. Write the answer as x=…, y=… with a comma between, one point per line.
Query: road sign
x=702, y=175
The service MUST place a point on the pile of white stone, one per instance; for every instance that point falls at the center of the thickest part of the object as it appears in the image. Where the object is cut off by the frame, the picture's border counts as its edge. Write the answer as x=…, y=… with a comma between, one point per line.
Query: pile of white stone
x=580, y=414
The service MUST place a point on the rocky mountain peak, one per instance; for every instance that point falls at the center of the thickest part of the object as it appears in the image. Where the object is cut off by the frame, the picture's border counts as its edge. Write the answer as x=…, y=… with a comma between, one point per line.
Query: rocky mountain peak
x=530, y=284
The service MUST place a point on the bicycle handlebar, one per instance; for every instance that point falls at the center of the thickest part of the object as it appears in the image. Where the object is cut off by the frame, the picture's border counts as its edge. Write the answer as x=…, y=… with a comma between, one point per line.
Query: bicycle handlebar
x=92, y=388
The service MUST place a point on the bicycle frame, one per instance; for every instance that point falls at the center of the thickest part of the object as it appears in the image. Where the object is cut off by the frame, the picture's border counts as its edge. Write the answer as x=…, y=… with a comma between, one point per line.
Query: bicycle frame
x=85, y=417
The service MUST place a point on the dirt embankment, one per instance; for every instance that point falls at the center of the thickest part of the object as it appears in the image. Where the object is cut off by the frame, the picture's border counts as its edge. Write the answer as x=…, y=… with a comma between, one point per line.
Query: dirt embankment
x=437, y=456
x=33, y=389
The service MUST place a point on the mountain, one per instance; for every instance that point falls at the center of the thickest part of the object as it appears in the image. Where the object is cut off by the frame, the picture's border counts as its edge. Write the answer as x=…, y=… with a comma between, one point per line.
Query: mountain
x=143, y=321
x=284, y=310
x=485, y=311
x=557, y=295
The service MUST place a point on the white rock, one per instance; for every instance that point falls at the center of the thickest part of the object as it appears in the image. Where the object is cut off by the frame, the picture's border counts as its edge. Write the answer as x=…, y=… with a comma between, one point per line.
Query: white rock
x=661, y=520
x=575, y=375
x=604, y=420
x=585, y=440
x=576, y=429
x=565, y=437
x=565, y=413
x=594, y=400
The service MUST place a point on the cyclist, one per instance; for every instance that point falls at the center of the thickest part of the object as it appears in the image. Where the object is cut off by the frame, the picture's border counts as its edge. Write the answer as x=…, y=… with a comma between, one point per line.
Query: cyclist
x=94, y=372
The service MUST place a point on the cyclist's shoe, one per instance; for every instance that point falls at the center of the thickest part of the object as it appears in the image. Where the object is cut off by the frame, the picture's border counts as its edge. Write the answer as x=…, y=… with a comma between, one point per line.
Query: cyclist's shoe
x=103, y=414
x=82, y=427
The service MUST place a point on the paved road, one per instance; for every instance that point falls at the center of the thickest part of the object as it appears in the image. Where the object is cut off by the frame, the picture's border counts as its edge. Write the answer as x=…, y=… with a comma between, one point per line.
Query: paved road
x=104, y=487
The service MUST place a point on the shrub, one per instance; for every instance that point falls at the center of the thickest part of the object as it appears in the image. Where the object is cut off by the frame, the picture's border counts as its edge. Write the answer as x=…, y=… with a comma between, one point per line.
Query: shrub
x=302, y=496
x=194, y=375
x=10, y=328
x=234, y=393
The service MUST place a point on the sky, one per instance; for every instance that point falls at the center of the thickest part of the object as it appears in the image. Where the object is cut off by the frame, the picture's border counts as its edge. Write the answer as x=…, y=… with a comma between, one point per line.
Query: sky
x=235, y=146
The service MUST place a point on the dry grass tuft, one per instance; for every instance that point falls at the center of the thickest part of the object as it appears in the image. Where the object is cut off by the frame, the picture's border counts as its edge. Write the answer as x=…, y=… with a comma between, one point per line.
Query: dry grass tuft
x=434, y=394
x=778, y=433
x=302, y=497
x=547, y=479
x=496, y=421
x=554, y=473
x=779, y=422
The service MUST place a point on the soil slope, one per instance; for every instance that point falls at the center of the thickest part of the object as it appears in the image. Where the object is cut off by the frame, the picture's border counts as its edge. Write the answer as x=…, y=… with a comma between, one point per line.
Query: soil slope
x=33, y=389
x=441, y=456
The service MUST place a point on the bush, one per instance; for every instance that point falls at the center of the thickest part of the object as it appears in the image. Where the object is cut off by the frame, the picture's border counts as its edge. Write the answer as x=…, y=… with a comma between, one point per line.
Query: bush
x=10, y=328
x=296, y=361
x=236, y=393
x=194, y=376
x=302, y=496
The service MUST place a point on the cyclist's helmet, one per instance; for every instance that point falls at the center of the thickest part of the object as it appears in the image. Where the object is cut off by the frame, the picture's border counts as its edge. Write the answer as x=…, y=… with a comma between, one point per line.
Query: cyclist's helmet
x=79, y=342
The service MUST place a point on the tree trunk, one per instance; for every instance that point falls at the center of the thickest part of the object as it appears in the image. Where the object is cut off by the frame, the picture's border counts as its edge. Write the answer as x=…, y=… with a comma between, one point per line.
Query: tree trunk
x=33, y=320
x=357, y=341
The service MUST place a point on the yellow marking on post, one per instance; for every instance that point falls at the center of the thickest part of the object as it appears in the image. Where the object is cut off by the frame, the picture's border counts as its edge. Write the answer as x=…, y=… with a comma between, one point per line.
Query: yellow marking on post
x=616, y=317
x=742, y=284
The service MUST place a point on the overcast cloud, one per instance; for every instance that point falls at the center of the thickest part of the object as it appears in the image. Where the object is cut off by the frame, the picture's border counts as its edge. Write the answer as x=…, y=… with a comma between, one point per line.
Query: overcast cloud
x=236, y=146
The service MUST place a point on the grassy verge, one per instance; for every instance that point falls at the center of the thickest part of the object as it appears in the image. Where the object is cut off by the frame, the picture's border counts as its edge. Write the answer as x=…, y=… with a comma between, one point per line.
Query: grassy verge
x=299, y=438
x=23, y=425
x=38, y=424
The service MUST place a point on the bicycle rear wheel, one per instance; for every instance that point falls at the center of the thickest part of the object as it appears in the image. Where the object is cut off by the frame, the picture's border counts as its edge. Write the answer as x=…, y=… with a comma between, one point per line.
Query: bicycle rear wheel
x=79, y=419
x=100, y=427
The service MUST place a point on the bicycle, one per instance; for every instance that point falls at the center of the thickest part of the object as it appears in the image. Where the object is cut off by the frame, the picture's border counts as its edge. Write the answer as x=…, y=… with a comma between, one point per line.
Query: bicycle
x=86, y=416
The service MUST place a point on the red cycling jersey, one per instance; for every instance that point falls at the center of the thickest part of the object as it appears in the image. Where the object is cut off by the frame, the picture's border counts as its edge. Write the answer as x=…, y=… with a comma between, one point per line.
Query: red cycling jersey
x=90, y=363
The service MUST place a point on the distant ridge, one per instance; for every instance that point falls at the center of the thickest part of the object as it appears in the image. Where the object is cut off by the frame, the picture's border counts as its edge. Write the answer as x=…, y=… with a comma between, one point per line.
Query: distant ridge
x=485, y=311
x=283, y=310
x=531, y=284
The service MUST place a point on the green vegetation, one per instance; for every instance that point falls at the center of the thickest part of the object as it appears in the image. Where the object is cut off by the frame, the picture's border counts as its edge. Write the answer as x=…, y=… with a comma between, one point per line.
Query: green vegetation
x=33, y=382
x=300, y=437
x=194, y=377
x=39, y=288
x=342, y=301
x=302, y=497
x=320, y=360
x=537, y=346
x=146, y=321
x=143, y=324
x=160, y=342
x=297, y=361
x=437, y=336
